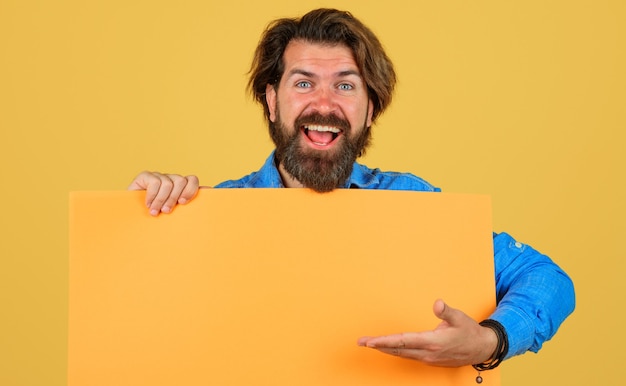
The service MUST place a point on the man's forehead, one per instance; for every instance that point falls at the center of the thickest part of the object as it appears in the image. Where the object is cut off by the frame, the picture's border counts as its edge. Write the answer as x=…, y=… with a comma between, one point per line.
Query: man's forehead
x=299, y=53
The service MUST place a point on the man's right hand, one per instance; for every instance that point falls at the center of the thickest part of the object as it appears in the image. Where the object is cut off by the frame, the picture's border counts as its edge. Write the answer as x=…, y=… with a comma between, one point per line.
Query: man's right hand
x=165, y=191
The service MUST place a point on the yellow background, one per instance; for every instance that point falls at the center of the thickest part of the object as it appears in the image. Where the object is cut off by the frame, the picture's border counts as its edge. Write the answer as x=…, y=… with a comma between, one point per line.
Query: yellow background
x=523, y=101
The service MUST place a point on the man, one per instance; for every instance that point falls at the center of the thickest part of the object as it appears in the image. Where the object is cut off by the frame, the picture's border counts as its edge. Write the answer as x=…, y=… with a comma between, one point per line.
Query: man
x=323, y=80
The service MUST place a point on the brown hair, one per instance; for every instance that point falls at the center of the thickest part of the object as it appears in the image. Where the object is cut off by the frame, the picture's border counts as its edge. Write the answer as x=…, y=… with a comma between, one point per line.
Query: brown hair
x=323, y=26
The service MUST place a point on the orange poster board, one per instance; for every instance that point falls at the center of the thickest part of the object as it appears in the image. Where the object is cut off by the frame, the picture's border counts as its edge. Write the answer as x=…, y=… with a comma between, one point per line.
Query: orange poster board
x=270, y=286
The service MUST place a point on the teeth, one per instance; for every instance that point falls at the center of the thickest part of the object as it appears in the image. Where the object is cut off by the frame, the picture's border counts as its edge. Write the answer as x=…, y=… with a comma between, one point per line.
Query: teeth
x=322, y=128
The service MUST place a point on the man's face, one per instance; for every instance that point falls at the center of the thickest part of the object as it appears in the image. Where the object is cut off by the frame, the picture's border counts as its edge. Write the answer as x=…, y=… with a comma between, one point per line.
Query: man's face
x=320, y=114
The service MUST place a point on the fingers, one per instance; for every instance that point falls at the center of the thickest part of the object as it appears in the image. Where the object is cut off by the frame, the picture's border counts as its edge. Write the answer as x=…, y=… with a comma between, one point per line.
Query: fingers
x=170, y=189
x=427, y=347
x=190, y=190
x=398, y=352
x=386, y=341
x=163, y=195
x=405, y=340
x=408, y=345
x=165, y=191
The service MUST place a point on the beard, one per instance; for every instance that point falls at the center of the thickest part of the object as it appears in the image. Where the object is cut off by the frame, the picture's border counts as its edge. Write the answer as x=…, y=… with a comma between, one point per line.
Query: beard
x=319, y=170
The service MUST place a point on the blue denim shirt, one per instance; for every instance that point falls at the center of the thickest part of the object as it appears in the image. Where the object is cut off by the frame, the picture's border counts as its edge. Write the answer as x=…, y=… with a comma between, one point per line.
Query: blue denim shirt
x=533, y=295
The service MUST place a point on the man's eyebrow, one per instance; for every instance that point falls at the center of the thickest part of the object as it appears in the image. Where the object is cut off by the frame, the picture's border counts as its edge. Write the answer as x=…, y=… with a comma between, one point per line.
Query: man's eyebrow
x=299, y=71
x=349, y=72
x=309, y=74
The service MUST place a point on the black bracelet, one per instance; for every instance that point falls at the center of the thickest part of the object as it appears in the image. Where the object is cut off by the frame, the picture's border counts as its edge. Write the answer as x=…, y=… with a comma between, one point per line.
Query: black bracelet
x=502, y=348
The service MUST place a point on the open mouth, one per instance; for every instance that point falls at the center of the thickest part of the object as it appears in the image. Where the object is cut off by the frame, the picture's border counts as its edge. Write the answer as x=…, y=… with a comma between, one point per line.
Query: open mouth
x=321, y=135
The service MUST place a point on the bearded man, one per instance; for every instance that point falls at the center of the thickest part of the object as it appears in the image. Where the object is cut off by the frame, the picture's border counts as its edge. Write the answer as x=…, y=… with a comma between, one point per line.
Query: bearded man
x=322, y=80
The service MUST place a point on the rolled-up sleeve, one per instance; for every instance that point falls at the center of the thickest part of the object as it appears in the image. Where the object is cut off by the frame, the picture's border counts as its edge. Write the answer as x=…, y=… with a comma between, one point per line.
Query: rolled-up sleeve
x=534, y=295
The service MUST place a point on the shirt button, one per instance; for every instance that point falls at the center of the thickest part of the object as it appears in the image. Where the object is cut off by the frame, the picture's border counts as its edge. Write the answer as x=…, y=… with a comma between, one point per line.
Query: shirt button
x=518, y=244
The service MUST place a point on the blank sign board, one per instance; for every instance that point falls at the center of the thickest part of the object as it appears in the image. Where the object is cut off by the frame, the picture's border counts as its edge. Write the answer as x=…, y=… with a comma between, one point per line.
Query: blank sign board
x=270, y=286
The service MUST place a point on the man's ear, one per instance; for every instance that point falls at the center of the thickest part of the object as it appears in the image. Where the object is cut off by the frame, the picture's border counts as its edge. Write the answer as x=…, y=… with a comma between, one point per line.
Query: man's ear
x=270, y=98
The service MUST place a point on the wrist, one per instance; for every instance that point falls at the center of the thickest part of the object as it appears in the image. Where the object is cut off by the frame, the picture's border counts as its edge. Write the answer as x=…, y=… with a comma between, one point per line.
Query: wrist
x=489, y=346
x=498, y=345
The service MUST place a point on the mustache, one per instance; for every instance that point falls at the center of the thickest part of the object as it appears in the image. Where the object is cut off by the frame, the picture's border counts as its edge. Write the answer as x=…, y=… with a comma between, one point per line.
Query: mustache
x=316, y=118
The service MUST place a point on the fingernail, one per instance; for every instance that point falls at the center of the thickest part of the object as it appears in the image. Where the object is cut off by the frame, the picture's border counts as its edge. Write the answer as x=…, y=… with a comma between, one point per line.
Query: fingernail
x=154, y=212
x=182, y=201
x=166, y=209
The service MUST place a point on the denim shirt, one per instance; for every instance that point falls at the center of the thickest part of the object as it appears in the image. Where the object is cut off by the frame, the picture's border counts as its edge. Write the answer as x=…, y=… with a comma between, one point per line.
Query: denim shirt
x=533, y=295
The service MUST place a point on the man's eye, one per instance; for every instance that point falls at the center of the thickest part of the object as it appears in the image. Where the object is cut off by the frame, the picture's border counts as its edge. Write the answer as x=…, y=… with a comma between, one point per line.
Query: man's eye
x=303, y=84
x=345, y=87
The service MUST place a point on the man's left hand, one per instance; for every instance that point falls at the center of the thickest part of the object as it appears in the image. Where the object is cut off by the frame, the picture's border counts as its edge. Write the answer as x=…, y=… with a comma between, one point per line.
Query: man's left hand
x=457, y=341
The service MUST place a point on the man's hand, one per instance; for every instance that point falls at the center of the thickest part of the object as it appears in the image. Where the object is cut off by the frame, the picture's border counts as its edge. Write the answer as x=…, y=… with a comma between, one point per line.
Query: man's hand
x=457, y=341
x=165, y=191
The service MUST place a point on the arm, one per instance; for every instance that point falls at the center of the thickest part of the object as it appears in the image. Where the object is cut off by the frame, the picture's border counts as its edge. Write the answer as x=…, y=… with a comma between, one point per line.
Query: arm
x=534, y=297
x=165, y=191
x=533, y=294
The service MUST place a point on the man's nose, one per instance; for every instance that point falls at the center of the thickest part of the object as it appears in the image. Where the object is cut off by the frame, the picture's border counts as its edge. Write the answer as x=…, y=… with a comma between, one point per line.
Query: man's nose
x=325, y=101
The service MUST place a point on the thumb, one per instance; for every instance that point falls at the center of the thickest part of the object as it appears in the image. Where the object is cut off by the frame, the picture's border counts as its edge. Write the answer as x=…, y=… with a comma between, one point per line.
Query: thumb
x=446, y=313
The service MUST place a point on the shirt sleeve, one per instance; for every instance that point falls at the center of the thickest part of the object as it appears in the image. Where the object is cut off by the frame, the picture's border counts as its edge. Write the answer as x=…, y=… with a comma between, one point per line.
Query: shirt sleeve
x=533, y=295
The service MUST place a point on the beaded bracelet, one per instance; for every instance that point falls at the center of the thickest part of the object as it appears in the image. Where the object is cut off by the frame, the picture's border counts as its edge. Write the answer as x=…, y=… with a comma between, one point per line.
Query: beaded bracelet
x=502, y=348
